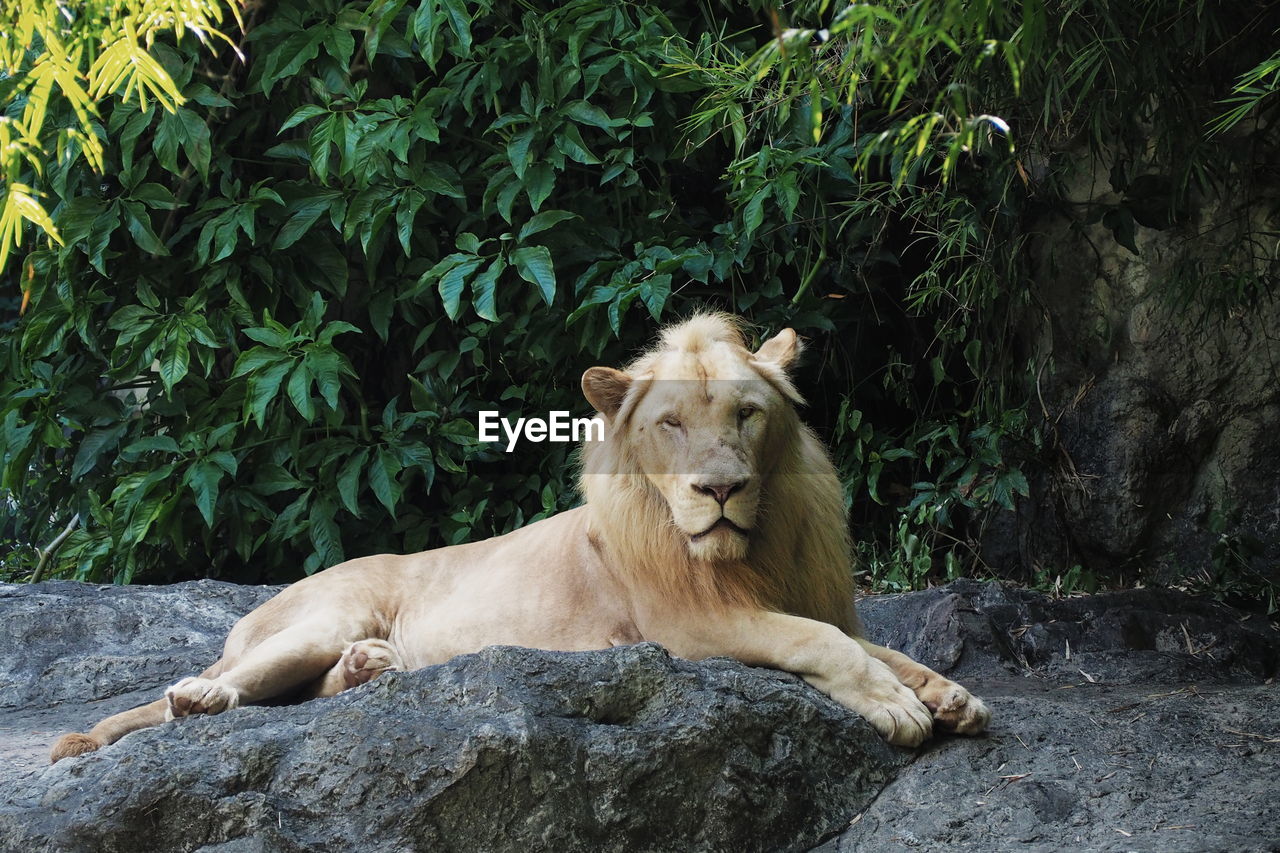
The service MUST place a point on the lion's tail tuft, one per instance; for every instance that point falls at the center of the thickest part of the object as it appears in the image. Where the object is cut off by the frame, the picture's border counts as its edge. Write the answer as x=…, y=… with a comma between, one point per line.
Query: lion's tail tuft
x=109, y=730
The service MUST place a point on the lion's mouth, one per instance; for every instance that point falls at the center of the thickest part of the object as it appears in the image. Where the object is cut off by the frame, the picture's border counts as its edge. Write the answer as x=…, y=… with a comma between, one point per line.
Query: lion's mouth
x=722, y=523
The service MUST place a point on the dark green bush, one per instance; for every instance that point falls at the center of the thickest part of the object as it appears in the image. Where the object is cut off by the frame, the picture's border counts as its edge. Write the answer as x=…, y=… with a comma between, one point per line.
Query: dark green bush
x=264, y=344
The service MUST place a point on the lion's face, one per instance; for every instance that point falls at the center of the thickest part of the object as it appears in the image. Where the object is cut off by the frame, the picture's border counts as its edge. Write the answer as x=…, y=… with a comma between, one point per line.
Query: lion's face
x=701, y=427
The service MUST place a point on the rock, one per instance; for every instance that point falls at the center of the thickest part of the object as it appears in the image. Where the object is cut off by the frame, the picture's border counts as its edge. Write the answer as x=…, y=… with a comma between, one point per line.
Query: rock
x=516, y=749
x=1154, y=731
x=82, y=642
x=1080, y=766
x=508, y=749
x=1158, y=399
x=1154, y=636
x=73, y=653
x=1135, y=720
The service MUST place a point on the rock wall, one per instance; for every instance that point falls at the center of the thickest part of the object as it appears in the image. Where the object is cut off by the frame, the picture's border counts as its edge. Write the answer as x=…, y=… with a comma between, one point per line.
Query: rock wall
x=1157, y=353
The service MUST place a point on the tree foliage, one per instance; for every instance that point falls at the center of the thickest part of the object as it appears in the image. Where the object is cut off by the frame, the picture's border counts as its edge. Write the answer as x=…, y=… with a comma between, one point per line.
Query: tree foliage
x=260, y=339
x=67, y=59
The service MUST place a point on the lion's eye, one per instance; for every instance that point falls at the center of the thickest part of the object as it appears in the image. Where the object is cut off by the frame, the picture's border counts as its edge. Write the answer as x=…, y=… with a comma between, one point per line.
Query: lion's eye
x=671, y=421
x=746, y=412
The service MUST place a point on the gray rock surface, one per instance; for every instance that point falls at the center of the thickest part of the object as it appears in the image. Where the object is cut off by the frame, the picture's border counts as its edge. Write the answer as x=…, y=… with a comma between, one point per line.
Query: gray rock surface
x=73, y=653
x=1137, y=720
x=1140, y=720
x=1159, y=397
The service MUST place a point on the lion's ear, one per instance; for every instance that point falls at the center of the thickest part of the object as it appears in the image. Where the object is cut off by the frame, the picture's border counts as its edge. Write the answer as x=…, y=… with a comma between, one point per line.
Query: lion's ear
x=605, y=388
x=782, y=349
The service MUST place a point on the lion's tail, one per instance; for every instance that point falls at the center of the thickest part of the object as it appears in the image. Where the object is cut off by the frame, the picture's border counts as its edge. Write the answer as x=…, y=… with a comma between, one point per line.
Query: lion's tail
x=116, y=726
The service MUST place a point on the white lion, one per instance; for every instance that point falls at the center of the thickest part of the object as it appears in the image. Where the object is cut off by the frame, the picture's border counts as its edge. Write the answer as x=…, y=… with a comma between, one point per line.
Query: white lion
x=713, y=524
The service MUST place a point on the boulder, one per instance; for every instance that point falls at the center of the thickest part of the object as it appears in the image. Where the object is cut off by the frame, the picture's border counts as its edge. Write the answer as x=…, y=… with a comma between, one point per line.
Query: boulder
x=508, y=749
x=1138, y=720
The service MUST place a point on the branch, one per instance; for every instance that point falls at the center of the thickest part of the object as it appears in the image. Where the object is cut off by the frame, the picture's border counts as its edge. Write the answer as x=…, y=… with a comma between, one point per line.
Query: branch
x=48, y=552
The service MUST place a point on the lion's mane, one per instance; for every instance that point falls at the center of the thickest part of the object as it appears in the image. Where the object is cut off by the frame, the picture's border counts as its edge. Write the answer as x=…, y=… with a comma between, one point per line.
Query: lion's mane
x=800, y=556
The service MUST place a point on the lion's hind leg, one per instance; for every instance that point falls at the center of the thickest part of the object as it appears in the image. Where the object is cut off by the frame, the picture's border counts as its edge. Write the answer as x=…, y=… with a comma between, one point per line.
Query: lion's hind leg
x=954, y=708
x=275, y=667
x=361, y=662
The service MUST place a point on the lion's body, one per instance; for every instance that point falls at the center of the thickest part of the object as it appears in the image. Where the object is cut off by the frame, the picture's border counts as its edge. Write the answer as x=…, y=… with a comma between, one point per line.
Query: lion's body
x=735, y=544
x=542, y=586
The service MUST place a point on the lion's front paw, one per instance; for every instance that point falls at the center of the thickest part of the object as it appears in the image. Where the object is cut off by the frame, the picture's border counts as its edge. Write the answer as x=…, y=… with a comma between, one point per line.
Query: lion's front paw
x=954, y=708
x=891, y=707
x=199, y=696
x=365, y=660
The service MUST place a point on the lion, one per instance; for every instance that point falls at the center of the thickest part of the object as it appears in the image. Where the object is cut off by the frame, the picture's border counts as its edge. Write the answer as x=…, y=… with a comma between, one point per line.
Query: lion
x=713, y=524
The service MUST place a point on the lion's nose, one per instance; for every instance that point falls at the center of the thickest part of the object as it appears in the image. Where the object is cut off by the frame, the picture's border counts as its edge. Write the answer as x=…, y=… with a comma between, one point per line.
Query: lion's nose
x=720, y=491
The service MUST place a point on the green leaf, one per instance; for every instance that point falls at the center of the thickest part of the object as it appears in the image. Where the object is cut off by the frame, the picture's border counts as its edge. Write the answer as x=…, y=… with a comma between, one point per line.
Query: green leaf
x=349, y=481
x=452, y=284
x=304, y=216
x=149, y=444
x=340, y=44
x=324, y=532
x=533, y=263
x=133, y=128
x=301, y=114
x=169, y=135
x=973, y=356
x=506, y=198
x=459, y=431
x=78, y=218
x=460, y=22
x=263, y=387
x=1123, y=227
x=1017, y=481
x=570, y=144
x=92, y=446
x=654, y=292
x=141, y=517
x=538, y=183
x=873, y=481
x=299, y=391
x=289, y=522
x=483, y=290
x=225, y=460
x=542, y=221
x=518, y=151
x=383, y=469
x=334, y=328
x=287, y=59
x=585, y=113
x=195, y=140
x=318, y=143
x=411, y=200
x=203, y=478
x=255, y=359
x=441, y=179
x=156, y=196
x=273, y=335
x=273, y=479
x=753, y=213
x=327, y=366
x=176, y=358
x=139, y=222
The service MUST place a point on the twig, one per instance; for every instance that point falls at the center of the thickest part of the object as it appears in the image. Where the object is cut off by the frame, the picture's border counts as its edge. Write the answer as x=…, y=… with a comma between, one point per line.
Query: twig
x=1263, y=738
x=48, y=552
